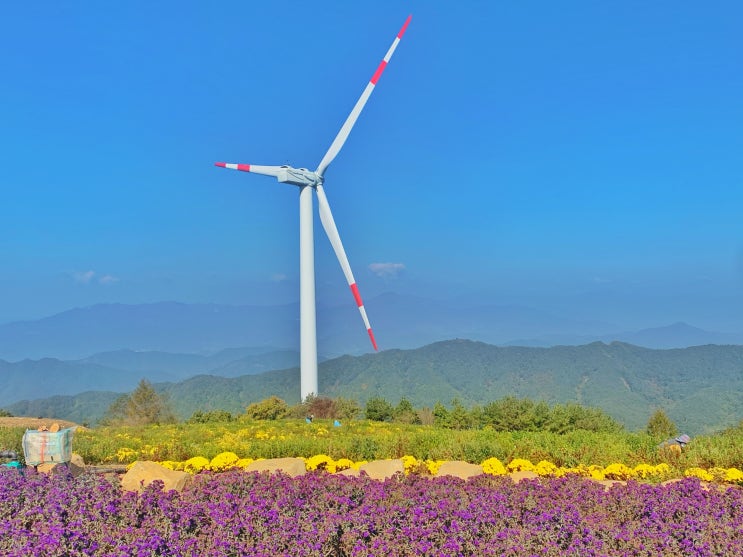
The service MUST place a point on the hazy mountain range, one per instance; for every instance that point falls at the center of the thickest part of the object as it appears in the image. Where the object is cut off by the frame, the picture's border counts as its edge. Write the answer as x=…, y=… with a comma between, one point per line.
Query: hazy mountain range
x=701, y=387
x=120, y=371
x=188, y=349
x=398, y=321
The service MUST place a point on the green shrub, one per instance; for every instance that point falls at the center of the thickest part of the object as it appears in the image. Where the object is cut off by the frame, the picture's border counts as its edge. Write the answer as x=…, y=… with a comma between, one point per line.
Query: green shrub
x=212, y=416
x=378, y=409
x=272, y=408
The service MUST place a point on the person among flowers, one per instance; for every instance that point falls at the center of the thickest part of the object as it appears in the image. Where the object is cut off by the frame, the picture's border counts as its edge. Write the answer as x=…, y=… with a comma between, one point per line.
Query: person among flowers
x=675, y=445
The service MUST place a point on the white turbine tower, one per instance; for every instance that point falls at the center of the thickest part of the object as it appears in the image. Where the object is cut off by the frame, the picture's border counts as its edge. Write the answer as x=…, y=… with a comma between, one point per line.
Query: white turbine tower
x=307, y=181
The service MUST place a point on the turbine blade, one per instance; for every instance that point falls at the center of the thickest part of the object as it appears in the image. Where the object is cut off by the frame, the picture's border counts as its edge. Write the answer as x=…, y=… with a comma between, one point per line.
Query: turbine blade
x=345, y=130
x=254, y=168
x=328, y=223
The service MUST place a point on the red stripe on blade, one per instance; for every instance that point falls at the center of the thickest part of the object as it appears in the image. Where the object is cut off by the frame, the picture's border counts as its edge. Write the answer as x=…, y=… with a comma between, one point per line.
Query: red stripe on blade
x=222, y=164
x=402, y=31
x=378, y=73
x=244, y=167
x=371, y=336
x=356, y=295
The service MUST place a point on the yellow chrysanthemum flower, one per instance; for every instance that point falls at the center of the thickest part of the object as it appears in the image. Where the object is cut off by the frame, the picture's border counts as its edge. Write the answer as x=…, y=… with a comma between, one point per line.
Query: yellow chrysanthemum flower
x=520, y=465
x=195, y=464
x=171, y=465
x=662, y=470
x=125, y=454
x=644, y=471
x=433, y=466
x=320, y=462
x=343, y=464
x=618, y=471
x=562, y=471
x=223, y=461
x=700, y=473
x=244, y=462
x=494, y=467
x=596, y=475
x=410, y=464
x=545, y=468
x=718, y=473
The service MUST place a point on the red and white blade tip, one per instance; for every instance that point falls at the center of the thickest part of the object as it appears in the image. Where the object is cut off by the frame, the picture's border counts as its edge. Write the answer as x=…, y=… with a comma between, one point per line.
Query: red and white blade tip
x=404, y=27
x=362, y=310
x=386, y=59
x=374, y=342
x=231, y=166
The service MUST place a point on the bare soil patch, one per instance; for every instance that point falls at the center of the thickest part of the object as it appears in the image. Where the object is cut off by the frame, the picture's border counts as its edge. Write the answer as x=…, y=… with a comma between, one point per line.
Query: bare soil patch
x=33, y=423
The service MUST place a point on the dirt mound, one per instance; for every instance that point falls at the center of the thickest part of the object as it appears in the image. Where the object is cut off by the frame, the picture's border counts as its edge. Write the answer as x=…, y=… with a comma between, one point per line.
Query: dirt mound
x=34, y=423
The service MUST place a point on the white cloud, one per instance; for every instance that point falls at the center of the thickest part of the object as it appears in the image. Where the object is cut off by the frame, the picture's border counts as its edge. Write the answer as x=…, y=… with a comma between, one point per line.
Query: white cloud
x=83, y=277
x=88, y=277
x=387, y=270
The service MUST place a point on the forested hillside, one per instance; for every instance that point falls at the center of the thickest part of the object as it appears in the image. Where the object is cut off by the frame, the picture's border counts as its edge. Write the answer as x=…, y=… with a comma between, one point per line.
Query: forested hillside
x=701, y=388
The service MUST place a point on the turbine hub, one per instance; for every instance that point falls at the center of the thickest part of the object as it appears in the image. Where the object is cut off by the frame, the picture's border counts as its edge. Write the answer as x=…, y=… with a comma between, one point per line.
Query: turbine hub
x=298, y=176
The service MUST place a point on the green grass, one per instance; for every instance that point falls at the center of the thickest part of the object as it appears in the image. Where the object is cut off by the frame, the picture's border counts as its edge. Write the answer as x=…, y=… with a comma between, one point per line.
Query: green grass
x=365, y=440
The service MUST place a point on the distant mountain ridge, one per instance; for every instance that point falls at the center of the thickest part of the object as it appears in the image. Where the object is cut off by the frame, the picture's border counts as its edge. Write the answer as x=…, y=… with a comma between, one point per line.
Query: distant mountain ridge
x=399, y=322
x=163, y=327
x=121, y=370
x=701, y=388
x=677, y=335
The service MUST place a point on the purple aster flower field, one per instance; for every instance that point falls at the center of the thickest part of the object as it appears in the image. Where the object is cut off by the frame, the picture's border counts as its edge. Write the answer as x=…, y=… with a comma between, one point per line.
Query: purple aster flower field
x=249, y=514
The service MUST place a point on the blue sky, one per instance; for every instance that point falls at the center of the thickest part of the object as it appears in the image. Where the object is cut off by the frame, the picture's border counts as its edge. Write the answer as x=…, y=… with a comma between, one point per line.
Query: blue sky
x=578, y=157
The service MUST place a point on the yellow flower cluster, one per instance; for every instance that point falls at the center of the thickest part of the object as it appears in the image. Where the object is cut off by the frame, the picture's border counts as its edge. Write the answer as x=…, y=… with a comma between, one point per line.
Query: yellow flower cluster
x=545, y=468
x=346, y=463
x=700, y=473
x=614, y=471
x=493, y=466
x=412, y=465
x=520, y=465
x=320, y=462
x=129, y=455
x=716, y=474
x=648, y=471
x=125, y=454
x=220, y=463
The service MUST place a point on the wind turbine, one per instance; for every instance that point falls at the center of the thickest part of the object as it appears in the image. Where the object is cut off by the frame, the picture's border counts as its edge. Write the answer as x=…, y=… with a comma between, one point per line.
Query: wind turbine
x=307, y=181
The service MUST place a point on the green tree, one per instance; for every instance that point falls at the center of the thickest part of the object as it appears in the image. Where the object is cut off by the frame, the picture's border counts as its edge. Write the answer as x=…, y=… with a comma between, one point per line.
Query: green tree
x=5, y=414
x=459, y=417
x=572, y=417
x=510, y=414
x=143, y=406
x=441, y=416
x=271, y=408
x=660, y=425
x=116, y=412
x=425, y=416
x=347, y=408
x=378, y=409
x=405, y=413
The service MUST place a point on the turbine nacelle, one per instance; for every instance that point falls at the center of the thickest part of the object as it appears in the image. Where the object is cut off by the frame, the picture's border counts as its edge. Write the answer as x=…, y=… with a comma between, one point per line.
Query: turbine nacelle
x=285, y=174
x=298, y=176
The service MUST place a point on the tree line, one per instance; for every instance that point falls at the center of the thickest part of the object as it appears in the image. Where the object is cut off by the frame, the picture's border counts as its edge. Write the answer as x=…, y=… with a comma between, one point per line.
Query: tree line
x=145, y=406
